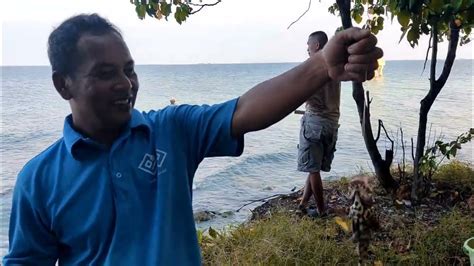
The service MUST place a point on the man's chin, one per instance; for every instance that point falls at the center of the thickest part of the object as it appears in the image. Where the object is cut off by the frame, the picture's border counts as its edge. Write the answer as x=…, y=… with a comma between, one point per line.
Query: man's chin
x=118, y=121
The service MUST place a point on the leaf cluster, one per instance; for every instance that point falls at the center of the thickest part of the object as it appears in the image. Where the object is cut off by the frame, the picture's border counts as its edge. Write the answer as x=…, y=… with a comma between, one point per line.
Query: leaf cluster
x=416, y=17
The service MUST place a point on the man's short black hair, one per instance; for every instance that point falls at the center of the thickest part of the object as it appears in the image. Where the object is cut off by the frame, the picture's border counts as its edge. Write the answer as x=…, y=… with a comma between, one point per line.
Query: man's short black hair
x=62, y=42
x=320, y=36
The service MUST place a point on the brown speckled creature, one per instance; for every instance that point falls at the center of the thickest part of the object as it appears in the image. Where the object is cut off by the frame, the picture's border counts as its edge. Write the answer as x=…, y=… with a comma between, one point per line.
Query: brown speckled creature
x=362, y=215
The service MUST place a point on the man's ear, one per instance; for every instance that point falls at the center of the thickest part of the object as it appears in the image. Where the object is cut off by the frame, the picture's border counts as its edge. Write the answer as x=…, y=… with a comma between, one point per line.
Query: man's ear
x=60, y=84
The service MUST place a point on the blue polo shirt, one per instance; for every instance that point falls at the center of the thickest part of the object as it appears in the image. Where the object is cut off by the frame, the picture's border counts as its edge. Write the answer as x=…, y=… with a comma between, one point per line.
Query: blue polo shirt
x=130, y=204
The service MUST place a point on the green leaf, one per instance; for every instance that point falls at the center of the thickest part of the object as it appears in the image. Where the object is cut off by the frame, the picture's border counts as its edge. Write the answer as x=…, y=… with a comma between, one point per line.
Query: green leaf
x=436, y=5
x=177, y=15
x=213, y=233
x=141, y=10
x=404, y=32
x=380, y=20
x=457, y=4
x=199, y=236
x=413, y=37
x=442, y=149
x=357, y=18
x=403, y=18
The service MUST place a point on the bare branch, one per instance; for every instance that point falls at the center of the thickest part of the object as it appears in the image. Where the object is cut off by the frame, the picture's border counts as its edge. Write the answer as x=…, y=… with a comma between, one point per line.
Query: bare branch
x=433, y=56
x=378, y=131
x=427, y=53
x=201, y=6
x=400, y=174
x=403, y=155
x=262, y=199
x=309, y=6
x=429, y=135
x=386, y=133
x=412, y=150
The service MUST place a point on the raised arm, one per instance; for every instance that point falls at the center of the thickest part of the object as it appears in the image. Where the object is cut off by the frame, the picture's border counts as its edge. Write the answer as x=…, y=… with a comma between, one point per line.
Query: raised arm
x=349, y=55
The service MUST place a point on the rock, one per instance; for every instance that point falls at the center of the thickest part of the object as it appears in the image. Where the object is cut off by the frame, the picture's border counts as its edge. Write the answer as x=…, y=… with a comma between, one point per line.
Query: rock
x=470, y=203
x=268, y=188
x=202, y=216
x=226, y=214
x=407, y=203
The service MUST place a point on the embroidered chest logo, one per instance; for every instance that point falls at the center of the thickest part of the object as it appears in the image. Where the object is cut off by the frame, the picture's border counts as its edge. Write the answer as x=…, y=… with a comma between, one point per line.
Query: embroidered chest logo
x=152, y=163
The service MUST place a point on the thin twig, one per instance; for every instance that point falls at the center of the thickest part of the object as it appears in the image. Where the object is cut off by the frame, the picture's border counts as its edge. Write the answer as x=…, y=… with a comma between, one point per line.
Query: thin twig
x=378, y=132
x=258, y=200
x=412, y=152
x=309, y=6
x=201, y=6
x=429, y=135
x=400, y=174
x=386, y=133
x=403, y=155
x=427, y=53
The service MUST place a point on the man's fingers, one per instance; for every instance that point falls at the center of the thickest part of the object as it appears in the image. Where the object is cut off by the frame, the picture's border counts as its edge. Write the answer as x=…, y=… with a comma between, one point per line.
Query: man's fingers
x=366, y=58
x=352, y=35
x=361, y=67
x=363, y=46
x=360, y=72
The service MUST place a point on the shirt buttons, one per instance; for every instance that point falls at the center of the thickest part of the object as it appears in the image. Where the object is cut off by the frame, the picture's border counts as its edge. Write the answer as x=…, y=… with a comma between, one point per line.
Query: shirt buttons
x=118, y=175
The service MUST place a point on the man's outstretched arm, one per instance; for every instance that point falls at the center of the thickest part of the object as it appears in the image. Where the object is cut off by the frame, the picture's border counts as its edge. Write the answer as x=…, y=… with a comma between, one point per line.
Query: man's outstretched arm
x=349, y=55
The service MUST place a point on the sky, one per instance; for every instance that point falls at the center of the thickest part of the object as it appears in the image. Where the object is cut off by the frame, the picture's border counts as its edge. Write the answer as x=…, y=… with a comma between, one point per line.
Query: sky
x=234, y=31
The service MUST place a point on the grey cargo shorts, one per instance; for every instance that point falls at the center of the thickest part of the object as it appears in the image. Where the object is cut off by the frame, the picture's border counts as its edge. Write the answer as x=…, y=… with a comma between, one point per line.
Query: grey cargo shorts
x=318, y=137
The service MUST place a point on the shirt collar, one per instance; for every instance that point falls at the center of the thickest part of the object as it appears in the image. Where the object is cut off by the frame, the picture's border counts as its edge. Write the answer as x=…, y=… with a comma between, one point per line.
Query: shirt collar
x=73, y=139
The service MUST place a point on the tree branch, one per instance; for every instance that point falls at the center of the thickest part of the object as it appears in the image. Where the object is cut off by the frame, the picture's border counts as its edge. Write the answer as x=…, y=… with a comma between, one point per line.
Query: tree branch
x=309, y=6
x=345, y=11
x=386, y=133
x=451, y=55
x=403, y=155
x=434, y=53
x=262, y=199
x=201, y=6
x=378, y=131
x=427, y=53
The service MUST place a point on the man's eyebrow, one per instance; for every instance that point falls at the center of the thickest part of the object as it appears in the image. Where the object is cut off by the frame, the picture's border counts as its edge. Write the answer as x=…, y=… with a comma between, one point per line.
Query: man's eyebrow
x=102, y=65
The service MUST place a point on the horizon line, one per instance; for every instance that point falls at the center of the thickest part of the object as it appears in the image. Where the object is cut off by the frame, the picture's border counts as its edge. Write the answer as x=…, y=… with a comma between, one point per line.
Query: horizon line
x=250, y=63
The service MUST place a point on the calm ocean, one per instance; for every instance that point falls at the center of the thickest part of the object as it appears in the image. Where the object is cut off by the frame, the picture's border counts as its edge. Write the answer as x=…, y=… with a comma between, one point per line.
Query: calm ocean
x=33, y=113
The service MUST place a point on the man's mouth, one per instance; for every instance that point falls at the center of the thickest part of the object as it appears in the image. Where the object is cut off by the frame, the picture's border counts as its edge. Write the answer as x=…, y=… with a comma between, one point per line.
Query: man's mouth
x=124, y=102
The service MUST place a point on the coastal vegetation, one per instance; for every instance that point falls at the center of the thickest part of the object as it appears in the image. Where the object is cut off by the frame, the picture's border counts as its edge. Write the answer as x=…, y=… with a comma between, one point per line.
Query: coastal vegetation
x=431, y=233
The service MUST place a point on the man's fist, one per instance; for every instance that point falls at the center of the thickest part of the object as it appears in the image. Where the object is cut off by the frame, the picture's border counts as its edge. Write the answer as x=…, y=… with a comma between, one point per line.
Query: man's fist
x=352, y=55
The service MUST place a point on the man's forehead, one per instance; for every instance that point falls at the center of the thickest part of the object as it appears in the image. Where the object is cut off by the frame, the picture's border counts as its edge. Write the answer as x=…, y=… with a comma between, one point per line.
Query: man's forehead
x=312, y=39
x=109, y=46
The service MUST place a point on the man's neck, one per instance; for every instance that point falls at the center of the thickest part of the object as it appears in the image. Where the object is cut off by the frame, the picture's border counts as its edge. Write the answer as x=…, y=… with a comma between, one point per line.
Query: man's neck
x=100, y=134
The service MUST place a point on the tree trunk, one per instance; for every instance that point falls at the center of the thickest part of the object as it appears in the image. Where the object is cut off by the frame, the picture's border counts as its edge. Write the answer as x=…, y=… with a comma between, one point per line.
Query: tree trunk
x=381, y=166
x=425, y=105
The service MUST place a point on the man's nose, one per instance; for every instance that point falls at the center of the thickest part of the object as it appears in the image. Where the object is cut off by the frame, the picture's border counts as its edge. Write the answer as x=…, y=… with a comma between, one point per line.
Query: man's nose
x=124, y=83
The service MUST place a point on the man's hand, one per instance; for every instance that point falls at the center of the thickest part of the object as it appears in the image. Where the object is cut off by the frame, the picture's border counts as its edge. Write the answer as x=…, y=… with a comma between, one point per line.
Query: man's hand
x=351, y=55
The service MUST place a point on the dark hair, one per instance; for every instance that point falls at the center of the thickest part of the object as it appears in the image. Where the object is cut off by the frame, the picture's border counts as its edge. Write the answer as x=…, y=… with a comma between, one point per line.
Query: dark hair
x=320, y=36
x=62, y=42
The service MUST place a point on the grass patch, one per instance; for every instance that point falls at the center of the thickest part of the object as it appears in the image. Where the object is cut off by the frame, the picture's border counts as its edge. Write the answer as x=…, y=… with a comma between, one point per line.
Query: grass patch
x=286, y=240
x=456, y=172
x=280, y=240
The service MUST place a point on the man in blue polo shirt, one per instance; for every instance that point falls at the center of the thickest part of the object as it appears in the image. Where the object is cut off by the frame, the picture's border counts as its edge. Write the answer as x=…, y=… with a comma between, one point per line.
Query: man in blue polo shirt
x=116, y=189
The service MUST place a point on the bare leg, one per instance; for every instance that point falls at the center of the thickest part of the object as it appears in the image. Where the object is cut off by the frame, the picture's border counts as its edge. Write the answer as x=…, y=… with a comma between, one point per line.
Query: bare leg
x=317, y=188
x=307, y=192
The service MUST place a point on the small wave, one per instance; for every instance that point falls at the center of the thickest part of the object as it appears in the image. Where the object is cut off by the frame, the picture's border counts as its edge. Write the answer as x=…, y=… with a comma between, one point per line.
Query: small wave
x=252, y=165
x=6, y=191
